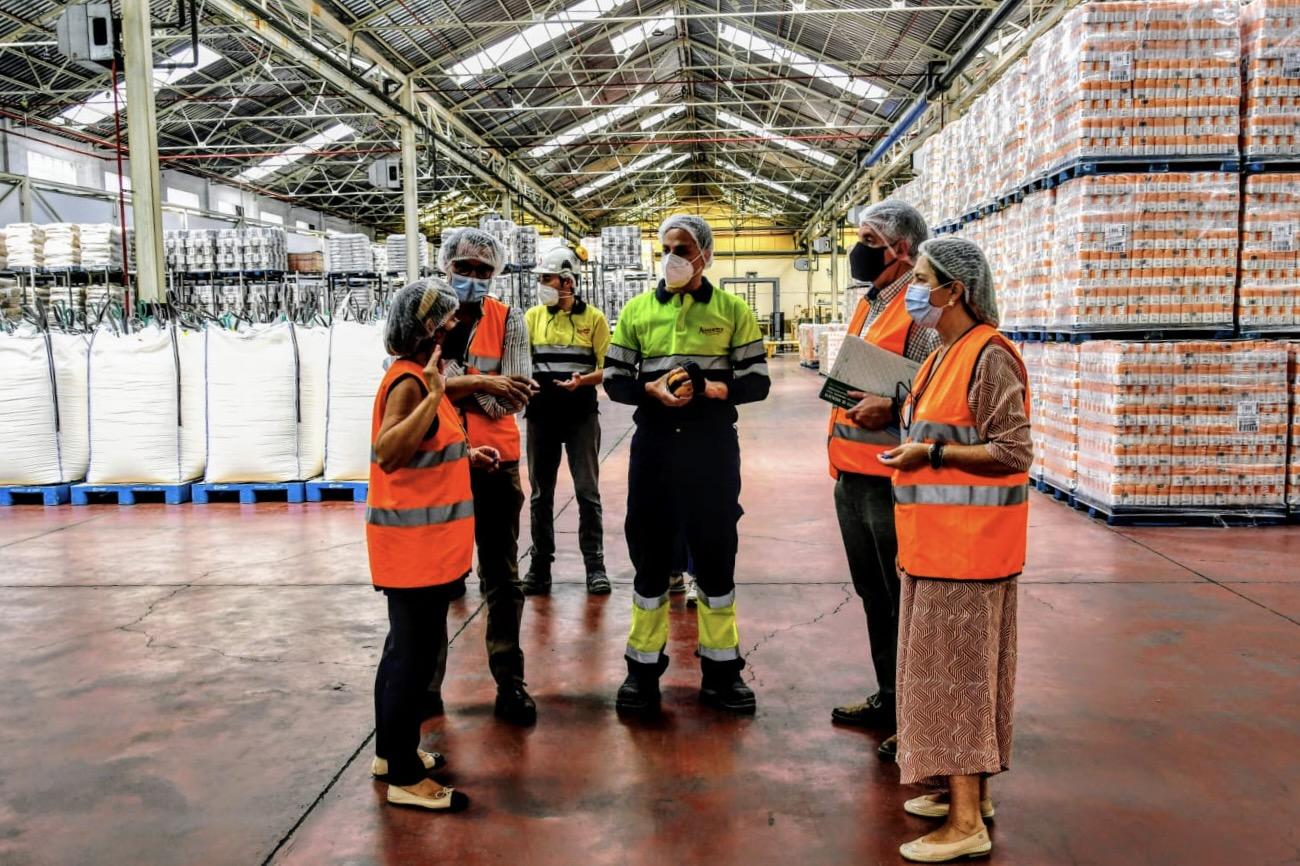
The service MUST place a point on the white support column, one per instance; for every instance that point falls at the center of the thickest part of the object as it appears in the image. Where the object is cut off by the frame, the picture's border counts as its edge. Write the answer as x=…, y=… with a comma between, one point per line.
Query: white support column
x=142, y=132
x=410, y=188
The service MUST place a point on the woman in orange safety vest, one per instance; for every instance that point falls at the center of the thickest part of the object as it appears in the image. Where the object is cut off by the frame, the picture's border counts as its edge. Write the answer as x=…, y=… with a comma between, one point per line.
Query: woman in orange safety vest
x=961, y=513
x=419, y=533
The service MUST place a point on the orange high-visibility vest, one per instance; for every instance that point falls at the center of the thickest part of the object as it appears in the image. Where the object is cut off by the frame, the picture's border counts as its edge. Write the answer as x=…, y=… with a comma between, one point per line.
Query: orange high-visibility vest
x=485, y=353
x=852, y=448
x=420, y=518
x=950, y=523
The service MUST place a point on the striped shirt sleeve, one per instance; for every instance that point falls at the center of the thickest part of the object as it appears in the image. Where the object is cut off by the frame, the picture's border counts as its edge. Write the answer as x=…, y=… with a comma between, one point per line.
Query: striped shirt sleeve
x=997, y=401
x=516, y=360
x=750, y=381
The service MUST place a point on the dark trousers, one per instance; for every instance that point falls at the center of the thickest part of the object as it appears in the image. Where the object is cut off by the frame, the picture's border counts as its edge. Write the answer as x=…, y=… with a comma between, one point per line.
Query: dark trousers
x=865, y=507
x=685, y=478
x=417, y=628
x=579, y=439
x=498, y=500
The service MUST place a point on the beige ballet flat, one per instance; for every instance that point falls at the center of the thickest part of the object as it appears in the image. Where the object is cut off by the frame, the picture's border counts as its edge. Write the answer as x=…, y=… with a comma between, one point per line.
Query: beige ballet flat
x=446, y=800
x=928, y=806
x=920, y=851
x=431, y=761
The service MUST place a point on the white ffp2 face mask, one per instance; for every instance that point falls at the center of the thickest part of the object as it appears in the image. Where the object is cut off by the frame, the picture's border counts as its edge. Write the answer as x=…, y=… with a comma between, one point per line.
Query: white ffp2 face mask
x=547, y=296
x=677, y=271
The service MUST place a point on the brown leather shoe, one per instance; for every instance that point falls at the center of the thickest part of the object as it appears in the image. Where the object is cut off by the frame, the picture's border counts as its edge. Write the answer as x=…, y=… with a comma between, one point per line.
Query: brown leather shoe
x=874, y=712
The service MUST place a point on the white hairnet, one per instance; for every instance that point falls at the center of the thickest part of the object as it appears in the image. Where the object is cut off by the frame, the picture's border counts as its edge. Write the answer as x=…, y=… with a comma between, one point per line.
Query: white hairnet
x=896, y=221
x=694, y=226
x=470, y=243
x=417, y=309
x=959, y=259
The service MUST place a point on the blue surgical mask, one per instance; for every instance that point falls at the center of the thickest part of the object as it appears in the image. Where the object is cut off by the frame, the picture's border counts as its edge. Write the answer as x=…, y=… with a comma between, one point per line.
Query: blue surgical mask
x=469, y=289
x=919, y=307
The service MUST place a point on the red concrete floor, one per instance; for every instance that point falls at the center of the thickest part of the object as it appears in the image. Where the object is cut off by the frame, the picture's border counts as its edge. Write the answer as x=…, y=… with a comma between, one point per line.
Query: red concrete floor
x=191, y=685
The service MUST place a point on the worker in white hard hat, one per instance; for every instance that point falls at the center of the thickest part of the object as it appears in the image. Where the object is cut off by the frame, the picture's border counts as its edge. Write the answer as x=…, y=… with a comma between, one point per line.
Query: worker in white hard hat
x=569, y=338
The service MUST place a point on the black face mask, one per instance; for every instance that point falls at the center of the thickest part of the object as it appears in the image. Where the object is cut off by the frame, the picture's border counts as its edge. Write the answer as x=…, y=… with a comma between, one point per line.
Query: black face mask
x=866, y=263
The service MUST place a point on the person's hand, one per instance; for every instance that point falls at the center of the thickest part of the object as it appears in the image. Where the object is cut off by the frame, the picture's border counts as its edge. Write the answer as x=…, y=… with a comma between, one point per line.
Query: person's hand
x=659, y=390
x=716, y=390
x=571, y=384
x=433, y=376
x=872, y=412
x=911, y=455
x=513, y=389
x=485, y=457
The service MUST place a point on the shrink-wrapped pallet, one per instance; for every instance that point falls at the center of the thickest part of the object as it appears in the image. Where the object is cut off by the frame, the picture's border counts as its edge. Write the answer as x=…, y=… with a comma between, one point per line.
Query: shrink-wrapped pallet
x=1268, y=297
x=1057, y=422
x=1183, y=426
x=1270, y=43
x=146, y=407
x=1293, y=455
x=43, y=438
x=356, y=367
x=266, y=399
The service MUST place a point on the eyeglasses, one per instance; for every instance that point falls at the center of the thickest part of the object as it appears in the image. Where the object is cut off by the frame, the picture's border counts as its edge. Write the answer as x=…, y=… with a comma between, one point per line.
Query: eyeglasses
x=468, y=268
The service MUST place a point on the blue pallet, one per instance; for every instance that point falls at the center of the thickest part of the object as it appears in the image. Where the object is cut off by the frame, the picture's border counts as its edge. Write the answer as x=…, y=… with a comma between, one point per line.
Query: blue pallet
x=1205, y=517
x=1098, y=165
x=125, y=494
x=1278, y=165
x=250, y=493
x=317, y=490
x=40, y=494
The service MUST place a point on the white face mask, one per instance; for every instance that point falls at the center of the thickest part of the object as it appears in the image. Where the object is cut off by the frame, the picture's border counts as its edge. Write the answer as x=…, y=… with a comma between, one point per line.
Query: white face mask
x=677, y=271
x=547, y=296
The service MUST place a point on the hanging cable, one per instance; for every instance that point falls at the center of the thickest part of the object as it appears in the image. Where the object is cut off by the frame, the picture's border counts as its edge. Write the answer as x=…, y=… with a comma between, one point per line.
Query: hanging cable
x=121, y=188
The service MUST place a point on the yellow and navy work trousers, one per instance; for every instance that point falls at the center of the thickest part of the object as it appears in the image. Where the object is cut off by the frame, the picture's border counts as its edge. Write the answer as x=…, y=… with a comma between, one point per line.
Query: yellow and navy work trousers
x=684, y=478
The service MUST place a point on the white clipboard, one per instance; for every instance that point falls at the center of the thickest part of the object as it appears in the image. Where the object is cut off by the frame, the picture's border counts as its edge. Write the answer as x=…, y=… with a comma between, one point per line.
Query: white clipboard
x=863, y=366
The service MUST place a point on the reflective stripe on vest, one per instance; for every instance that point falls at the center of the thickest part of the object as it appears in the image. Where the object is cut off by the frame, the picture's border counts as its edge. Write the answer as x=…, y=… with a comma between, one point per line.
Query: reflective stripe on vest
x=430, y=516
x=852, y=448
x=951, y=523
x=484, y=356
x=419, y=517
x=960, y=494
x=658, y=366
x=563, y=359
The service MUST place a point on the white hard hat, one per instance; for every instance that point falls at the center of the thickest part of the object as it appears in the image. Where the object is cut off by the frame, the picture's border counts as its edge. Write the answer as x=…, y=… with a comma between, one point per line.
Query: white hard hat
x=559, y=260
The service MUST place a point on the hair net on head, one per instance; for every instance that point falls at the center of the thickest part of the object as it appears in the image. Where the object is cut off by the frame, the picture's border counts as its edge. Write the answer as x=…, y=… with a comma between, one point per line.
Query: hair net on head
x=470, y=243
x=416, y=310
x=959, y=259
x=694, y=226
x=896, y=221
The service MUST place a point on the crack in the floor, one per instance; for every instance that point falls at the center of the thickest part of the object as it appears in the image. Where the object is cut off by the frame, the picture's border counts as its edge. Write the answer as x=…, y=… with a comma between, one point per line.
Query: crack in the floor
x=52, y=531
x=298, y=555
x=751, y=674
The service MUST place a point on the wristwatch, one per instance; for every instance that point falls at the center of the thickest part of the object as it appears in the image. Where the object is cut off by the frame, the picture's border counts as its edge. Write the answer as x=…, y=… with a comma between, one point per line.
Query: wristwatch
x=936, y=455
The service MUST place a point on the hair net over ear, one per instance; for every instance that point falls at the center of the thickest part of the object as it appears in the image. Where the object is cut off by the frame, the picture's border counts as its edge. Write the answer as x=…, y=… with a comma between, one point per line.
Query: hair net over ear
x=416, y=311
x=470, y=243
x=694, y=226
x=959, y=259
x=896, y=221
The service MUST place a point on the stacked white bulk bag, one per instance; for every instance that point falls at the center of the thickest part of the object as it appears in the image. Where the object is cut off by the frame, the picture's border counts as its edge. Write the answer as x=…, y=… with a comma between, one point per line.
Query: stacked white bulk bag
x=62, y=245
x=43, y=438
x=313, y=360
x=146, y=407
x=356, y=367
x=266, y=403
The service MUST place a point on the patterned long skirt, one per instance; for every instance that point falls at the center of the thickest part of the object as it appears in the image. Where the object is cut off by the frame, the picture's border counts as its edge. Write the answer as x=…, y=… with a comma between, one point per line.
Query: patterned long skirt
x=956, y=677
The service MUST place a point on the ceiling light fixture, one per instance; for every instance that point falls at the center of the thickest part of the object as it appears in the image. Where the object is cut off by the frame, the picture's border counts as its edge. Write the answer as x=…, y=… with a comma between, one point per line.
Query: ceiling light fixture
x=530, y=39
x=631, y=168
x=811, y=154
x=628, y=40
x=816, y=69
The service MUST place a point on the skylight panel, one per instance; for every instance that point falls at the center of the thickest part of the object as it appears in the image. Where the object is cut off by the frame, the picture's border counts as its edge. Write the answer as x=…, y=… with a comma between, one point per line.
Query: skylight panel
x=655, y=119
x=826, y=72
x=100, y=105
x=337, y=132
x=628, y=40
x=555, y=27
x=770, y=184
x=595, y=124
x=811, y=154
x=631, y=168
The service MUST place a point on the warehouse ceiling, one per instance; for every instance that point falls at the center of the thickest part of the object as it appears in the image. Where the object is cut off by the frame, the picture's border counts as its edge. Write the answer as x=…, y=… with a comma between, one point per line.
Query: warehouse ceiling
x=597, y=112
